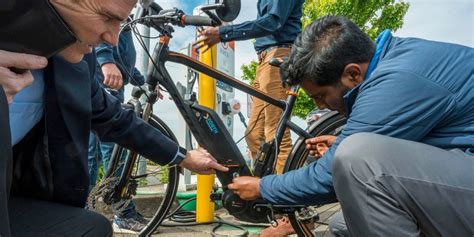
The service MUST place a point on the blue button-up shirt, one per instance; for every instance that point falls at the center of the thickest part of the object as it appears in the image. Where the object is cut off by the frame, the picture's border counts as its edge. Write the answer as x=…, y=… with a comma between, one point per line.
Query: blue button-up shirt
x=278, y=22
x=27, y=108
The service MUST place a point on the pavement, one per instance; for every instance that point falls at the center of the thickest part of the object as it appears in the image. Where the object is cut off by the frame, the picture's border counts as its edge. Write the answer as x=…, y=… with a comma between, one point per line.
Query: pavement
x=149, y=197
x=321, y=229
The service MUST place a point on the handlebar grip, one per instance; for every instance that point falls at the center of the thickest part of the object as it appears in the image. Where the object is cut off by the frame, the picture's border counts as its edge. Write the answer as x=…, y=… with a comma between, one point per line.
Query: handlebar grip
x=197, y=21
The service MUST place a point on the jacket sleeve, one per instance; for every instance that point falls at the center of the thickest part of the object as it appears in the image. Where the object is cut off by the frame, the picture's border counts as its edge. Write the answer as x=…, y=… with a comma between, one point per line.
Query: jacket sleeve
x=137, y=78
x=401, y=105
x=105, y=54
x=276, y=16
x=112, y=123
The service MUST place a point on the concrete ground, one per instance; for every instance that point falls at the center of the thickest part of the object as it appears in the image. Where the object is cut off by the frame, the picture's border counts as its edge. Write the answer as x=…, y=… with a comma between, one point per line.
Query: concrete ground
x=321, y=229
x=149, y=197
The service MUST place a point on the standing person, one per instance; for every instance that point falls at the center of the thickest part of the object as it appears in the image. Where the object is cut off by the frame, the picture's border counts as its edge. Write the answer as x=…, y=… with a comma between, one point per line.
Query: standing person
x=115, y=69
x=403, y=164
x=275, y=29
x=45, y=183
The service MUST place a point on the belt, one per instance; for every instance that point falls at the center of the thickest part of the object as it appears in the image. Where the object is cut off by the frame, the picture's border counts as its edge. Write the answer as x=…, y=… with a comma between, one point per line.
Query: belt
x=263, y=53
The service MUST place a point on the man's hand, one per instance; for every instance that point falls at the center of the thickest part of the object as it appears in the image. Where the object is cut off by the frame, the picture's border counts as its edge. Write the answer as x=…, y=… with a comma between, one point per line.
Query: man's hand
x=12, y=82
x=112, y=76
x=207, y=38
x=247, y=187
x=202, y=162
x=317, y=146
x=158, y=92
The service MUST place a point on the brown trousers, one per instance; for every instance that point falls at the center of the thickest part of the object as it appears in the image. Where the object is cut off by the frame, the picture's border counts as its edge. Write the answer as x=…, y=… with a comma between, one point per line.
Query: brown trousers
x=268, y=80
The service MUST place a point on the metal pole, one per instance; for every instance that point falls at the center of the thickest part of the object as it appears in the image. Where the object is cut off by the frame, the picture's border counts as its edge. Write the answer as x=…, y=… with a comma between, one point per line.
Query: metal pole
x=143, y=67
x=207, y=97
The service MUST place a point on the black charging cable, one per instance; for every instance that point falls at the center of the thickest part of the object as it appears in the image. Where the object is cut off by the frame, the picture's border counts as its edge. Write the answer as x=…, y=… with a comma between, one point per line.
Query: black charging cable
x=188, y=218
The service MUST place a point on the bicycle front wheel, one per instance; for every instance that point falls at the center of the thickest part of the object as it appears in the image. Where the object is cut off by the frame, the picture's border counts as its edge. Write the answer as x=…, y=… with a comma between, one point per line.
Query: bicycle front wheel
x=150, y=189
x=329, y=124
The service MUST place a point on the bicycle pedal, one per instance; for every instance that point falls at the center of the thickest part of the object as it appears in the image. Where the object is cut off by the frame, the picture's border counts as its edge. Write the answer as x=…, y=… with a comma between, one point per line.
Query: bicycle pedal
x=307, y=215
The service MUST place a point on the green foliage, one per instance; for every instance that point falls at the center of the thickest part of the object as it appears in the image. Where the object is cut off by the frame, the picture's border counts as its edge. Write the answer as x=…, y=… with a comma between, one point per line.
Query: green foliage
x=100, y=173
x=303, y=105
x=373, y=16
x=249, y=71
x=164, y=175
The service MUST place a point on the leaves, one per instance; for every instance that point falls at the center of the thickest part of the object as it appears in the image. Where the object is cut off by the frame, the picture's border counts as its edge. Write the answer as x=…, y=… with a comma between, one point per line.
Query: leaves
x=249, y=71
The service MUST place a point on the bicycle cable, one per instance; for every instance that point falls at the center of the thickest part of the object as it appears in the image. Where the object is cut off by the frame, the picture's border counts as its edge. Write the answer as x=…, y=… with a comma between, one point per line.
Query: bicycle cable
x=188, y=218
x=254, y=124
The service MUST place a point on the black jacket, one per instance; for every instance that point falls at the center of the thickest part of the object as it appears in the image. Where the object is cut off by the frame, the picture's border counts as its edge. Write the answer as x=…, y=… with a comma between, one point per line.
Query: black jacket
x=74, y=104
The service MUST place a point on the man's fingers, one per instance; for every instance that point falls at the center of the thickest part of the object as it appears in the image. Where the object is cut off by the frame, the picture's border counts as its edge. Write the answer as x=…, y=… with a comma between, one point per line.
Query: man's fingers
x=209, y=171
x=117, y=82
x=106, y=80
x=217, y=166
x=200, y=29
x=199, y=42
x=201, y=47
x=21, y=60
x=316, y=140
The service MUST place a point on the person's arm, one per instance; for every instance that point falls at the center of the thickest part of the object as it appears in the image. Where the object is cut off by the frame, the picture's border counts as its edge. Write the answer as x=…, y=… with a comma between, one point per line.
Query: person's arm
x=401, y=105
x=278, y=12
x=112, y=123
x=112, y=75
x=105, y=54
x=13, y=82
x=137, y=78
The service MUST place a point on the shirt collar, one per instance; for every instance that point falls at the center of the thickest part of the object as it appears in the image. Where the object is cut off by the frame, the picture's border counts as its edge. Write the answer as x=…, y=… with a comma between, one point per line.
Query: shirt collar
x=350, y=96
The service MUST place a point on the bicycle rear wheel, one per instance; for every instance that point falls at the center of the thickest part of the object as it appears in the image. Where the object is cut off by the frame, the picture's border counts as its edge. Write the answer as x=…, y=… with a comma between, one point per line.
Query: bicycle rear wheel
x=152, y=192
x=329, y=124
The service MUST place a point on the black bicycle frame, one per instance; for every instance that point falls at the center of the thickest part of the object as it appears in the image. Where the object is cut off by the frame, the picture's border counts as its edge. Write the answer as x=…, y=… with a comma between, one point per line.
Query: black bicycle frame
x=236, y=164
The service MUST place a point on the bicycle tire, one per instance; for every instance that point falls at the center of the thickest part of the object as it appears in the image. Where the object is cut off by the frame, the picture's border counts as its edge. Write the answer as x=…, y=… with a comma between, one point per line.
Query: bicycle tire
x=173, y=182
x=155, y=216
x=329, y=124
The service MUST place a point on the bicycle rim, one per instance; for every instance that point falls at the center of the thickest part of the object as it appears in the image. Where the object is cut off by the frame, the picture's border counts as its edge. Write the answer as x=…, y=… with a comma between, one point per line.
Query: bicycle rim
x=153, y=193
x=330, y=124
x=172, y=185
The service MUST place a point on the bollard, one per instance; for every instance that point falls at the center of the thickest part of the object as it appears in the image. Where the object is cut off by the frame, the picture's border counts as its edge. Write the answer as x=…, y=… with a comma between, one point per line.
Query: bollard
x=207, y=97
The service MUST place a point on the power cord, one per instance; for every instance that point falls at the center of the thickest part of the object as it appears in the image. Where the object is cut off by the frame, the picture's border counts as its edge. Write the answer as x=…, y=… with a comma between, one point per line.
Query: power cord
x=254, y=124
x=188, y=218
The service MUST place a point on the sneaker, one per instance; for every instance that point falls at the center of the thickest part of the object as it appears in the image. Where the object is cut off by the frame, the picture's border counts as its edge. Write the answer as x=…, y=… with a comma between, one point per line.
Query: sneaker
x=129, y=223
x=138, y=217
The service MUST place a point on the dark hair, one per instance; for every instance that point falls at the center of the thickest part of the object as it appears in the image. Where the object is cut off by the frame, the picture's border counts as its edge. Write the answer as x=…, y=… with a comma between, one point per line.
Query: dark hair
x=323, y=49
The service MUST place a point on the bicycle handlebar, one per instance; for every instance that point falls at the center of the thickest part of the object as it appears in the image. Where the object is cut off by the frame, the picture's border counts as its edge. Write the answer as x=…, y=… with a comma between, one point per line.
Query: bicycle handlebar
x=197, y=21
x=176, y=17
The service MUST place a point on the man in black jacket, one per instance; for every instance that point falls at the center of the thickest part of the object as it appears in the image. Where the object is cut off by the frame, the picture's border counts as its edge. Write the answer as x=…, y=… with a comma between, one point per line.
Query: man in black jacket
x=48, y=178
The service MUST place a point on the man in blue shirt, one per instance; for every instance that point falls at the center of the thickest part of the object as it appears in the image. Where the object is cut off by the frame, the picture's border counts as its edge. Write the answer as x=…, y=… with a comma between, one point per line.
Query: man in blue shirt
x=275, y=29
x=403, y=163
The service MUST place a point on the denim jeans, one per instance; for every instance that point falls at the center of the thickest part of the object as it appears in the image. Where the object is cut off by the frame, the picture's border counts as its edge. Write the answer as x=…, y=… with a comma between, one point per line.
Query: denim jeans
x=101, y=152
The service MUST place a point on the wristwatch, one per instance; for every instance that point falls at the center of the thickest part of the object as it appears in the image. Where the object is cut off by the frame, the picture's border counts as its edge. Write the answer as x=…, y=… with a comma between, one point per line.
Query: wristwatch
x=180, y=156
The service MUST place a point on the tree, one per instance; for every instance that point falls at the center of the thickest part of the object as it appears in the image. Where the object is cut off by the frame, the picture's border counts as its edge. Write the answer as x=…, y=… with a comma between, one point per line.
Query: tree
x=372, y=16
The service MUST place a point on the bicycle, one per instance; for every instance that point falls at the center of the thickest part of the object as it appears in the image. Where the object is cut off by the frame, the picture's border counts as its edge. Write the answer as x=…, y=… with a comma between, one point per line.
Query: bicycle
x=209, y=131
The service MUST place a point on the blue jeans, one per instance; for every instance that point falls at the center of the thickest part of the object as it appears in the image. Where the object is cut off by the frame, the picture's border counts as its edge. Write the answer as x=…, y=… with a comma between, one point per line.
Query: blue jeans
x=101, y=152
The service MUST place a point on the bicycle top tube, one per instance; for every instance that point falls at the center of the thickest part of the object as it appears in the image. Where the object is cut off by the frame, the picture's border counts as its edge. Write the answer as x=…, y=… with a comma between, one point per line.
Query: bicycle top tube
x=218, y=75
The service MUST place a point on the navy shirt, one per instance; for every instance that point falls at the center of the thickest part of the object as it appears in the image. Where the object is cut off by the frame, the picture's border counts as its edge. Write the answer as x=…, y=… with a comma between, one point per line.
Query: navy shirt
x=278, y=22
